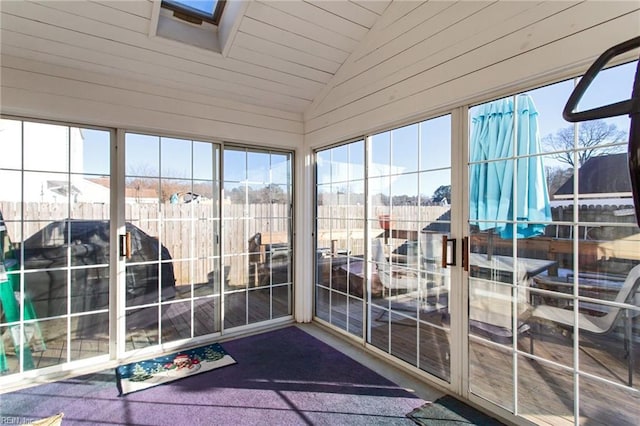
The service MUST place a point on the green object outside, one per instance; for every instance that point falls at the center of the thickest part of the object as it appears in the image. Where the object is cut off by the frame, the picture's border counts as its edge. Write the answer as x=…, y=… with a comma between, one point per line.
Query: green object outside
x=9, y=285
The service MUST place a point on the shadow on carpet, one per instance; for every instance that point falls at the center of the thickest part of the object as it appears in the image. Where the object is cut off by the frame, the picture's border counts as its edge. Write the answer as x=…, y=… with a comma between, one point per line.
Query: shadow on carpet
x=450, y=411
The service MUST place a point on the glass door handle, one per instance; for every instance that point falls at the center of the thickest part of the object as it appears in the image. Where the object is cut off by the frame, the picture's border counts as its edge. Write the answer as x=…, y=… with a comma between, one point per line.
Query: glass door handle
x=125, y=245
x=445, y=251
x=465, y=253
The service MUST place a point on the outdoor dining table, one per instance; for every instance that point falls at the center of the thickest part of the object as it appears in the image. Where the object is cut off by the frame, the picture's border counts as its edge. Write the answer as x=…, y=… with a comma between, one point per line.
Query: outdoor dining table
x=528, y=267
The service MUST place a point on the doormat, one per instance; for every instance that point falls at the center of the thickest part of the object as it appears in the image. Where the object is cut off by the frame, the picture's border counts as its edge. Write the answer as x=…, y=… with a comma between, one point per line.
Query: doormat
x=449, y=411
x=145, y=374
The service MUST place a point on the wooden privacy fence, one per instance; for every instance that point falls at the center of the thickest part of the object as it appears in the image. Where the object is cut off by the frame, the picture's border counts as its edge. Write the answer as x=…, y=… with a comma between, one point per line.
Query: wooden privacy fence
x=191, y=232
x=341, y=228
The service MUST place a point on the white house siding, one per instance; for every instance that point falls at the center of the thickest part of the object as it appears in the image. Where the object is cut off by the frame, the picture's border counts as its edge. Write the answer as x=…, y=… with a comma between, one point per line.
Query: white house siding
x=51, y=151
x=422, y=58
x=34, y=88
x=38, y=189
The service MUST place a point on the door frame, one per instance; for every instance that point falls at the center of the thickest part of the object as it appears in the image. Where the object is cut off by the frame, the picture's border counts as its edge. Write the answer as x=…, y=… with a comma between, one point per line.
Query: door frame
x=459, y=292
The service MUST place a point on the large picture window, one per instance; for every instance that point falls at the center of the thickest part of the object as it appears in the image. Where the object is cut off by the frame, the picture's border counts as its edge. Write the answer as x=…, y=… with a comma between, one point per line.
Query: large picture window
x=54, y=244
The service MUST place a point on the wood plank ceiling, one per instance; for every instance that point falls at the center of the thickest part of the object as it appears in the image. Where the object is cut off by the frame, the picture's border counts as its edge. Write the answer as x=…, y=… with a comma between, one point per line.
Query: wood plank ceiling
x=282, y=55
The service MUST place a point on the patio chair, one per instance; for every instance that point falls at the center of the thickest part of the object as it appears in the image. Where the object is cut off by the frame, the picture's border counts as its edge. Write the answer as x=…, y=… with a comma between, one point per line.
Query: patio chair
x=598, y=324
x=397, y=277
x=393, y=278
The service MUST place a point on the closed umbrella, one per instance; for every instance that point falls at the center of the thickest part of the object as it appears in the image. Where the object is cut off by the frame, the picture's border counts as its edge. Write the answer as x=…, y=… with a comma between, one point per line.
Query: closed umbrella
x=507, y=183
x=494, y=199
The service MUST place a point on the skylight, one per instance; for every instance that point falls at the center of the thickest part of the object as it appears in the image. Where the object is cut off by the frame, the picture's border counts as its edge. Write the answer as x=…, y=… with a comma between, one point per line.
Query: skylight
x=196, y=11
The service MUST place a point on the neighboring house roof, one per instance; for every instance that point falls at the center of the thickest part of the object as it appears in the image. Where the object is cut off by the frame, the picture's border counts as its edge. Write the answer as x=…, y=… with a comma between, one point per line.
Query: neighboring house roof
x=604, y=174
x=442, y=224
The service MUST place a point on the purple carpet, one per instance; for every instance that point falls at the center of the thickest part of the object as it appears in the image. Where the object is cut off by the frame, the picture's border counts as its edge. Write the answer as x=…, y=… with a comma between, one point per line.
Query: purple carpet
x=283, y=377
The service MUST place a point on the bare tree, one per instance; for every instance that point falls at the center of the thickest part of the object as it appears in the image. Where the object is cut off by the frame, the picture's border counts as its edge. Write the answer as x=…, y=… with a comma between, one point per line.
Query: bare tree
x=591, y=136
x=270, y=194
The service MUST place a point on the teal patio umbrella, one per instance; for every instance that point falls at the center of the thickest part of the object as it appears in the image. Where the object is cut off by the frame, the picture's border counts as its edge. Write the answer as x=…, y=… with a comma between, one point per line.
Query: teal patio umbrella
x=495, y=197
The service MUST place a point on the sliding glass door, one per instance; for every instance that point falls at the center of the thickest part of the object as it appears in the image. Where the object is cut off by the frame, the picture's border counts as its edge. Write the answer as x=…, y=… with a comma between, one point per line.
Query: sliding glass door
x=384, y=249
x=258, y=243
x=409, y=217
x=554, y=258
x=172, y=215
x=190, y=273
x=341, y=284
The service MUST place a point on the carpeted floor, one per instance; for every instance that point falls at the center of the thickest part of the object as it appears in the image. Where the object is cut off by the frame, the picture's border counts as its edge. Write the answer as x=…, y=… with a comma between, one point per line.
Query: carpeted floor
x=283, y=377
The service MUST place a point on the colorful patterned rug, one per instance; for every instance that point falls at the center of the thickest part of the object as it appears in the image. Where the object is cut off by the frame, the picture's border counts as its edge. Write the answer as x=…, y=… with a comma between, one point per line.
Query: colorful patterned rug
x=145, y=374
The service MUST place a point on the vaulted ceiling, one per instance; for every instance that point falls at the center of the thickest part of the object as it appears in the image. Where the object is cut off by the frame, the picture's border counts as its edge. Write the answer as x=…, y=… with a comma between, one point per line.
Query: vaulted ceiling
x=290, y=72
x=278, y=54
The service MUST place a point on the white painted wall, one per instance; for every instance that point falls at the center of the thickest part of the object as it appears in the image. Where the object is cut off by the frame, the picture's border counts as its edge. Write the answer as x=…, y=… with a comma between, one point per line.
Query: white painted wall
x=118, y=37
x=37, y=89
x=425, y=58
